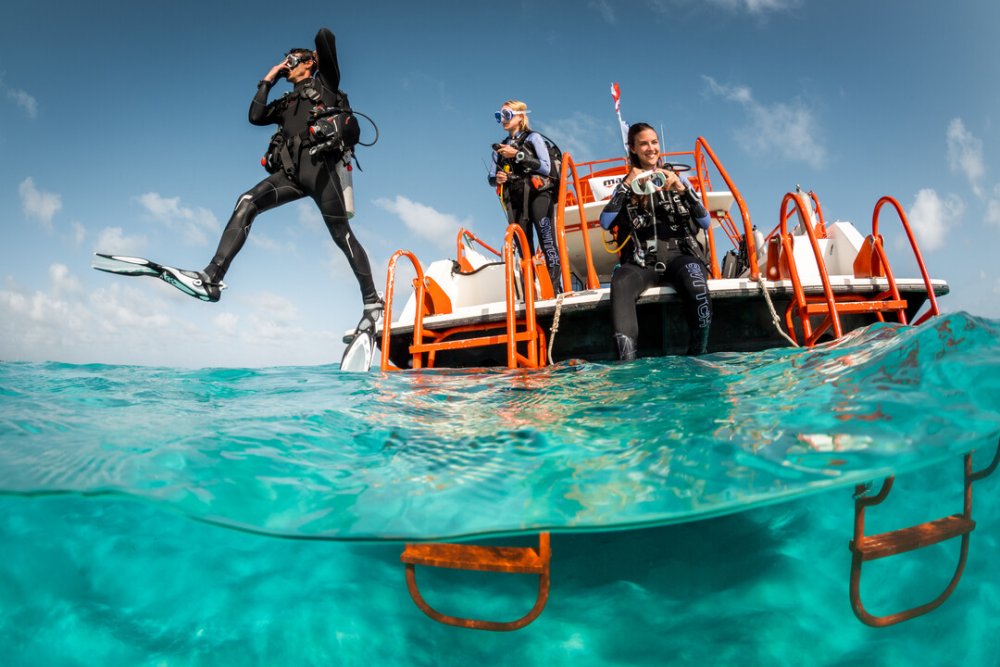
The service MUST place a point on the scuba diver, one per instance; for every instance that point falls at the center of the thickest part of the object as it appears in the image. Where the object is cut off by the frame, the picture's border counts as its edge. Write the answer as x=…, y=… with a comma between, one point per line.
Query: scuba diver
x=659, y=212
x=310, y=156
x=525, y=177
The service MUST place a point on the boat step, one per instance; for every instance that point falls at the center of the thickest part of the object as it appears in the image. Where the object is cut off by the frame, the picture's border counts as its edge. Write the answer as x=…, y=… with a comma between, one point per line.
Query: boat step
x=856, y=306
x=516, y=560
x=900, y=541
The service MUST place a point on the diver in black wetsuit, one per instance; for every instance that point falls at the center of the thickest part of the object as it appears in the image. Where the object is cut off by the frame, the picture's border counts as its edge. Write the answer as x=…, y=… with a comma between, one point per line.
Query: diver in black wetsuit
x=522, y=169
x=661, y=249
x=298, y=172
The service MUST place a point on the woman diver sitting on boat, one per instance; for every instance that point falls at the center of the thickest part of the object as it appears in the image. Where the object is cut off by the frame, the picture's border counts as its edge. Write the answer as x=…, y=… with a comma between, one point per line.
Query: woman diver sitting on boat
x=659, y=212
x=521, y=171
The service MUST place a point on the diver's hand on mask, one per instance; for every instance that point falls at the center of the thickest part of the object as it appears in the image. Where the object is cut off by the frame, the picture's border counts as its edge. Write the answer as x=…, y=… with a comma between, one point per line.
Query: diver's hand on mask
x=279, y=71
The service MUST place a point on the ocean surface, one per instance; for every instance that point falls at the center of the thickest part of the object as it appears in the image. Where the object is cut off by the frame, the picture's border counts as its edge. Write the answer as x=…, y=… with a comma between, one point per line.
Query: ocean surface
x=701, y=509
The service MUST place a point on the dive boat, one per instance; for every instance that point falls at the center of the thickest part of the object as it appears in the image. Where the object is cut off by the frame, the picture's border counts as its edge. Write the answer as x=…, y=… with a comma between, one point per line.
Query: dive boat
x=804, y=282
x=797, y=285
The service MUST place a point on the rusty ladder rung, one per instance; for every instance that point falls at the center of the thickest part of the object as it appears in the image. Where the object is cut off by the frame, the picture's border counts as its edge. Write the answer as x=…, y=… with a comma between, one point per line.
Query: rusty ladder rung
x=517, y=560
x=894, y=542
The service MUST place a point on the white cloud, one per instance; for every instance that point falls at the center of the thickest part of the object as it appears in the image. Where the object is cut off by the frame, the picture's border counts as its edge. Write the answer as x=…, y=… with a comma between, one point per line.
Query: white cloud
x=27, y=103
x=965, y=154
x=438, y=228
x=195, y=224
x=37, y=204
x=932, y=217
x=604, y=8
x=571, y=134
x=309, y=216
x=788, y=130
x=269, y=244
x=754, y=7
x=993, y=212
x=79, y=232
x=63, y=282
x=227, y=323
x=87, y=317
x=68, y=323
x=275, y=318
x=112, y=240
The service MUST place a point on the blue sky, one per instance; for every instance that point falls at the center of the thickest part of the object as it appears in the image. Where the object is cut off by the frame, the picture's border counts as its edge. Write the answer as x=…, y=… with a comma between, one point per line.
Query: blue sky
x=123, y=128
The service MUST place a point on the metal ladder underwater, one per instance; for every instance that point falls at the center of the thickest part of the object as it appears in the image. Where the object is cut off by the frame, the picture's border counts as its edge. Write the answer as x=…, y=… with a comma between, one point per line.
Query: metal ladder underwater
x=511, y=560
x=430, y=300
x=864, y=548
x=873, y=547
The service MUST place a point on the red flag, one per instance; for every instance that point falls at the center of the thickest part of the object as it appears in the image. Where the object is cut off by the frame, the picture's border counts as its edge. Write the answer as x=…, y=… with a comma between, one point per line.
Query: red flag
x=616, y=94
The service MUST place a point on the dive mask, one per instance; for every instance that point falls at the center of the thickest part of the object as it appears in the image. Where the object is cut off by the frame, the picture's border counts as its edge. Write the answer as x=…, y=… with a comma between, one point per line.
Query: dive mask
x=648, y=182
x=292, y=60
x=505, y=115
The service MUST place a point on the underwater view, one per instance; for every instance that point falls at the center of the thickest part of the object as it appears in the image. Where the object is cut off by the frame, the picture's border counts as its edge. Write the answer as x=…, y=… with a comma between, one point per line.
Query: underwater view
x=700, y=508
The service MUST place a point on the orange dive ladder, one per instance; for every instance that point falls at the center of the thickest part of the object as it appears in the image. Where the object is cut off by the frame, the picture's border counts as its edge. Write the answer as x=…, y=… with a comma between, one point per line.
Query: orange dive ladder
x=872, y=547
x=871, y=262
x=537, y=561
x=431, y=299
x=512, y=560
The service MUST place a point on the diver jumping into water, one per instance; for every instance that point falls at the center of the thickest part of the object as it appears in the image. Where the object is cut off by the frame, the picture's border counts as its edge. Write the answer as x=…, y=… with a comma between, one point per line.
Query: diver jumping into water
x=300, y=165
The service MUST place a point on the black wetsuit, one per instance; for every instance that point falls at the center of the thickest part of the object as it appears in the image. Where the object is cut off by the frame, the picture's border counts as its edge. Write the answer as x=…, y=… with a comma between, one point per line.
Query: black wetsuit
x=675, y=261
x=527, y=204
x=312, y=175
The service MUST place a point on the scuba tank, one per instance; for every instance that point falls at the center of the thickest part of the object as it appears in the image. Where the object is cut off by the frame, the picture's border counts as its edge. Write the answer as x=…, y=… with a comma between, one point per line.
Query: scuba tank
x=345, y=175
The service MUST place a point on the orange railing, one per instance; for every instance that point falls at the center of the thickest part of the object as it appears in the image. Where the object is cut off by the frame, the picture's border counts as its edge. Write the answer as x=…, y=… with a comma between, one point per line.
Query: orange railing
x=533, y=336
x=464, y=239
x=581, y=195
x=872, y=261
x=877, y=239
x=725, y=220
x=569, y=167
x=787, y=253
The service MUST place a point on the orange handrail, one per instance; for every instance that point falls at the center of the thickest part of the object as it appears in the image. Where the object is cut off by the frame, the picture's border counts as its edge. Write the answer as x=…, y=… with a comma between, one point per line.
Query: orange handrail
x=701, y=148
x=569, y=166
x=464, y=235
x=933, y=310
x=800, y=298
x=418, y=317
x=514, y=232
x=533, y=358
x=582, y=195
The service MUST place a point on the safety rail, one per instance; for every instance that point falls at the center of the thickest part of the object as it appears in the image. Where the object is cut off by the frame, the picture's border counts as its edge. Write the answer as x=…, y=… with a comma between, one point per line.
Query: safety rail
x=830, y=305
x=464, y=239
x=702, y=148
x=532, y=335
x=877, y=246
x=582, y=194
x=510, y=560
x=872, y=547
x=569, y=167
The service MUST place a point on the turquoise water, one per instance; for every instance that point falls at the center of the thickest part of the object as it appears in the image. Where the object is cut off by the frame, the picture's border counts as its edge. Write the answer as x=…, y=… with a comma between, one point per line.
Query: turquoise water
x=701, y=508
